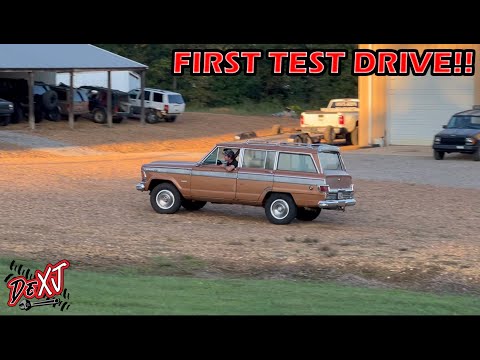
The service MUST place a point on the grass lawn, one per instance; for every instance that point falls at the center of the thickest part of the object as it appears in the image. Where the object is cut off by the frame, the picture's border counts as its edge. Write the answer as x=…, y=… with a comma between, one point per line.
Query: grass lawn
x=130, y=293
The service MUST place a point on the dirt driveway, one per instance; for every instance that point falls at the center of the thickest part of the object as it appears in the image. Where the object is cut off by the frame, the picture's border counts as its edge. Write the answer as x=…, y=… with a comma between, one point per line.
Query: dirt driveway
x=405, y=234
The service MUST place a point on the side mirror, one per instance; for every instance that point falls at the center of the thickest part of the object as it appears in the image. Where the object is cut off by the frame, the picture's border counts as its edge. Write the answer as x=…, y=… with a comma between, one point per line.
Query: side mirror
x=444, y=126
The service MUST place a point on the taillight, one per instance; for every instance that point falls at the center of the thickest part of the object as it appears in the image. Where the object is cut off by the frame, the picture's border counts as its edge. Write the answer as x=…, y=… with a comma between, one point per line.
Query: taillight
x=301, y=119
x=324, y=188
x=165, y=107
x=341, y=120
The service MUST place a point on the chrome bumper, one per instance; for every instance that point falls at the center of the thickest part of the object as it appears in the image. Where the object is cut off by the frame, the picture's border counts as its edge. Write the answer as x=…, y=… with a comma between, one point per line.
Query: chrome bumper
x=336, y=204
x=140, y=186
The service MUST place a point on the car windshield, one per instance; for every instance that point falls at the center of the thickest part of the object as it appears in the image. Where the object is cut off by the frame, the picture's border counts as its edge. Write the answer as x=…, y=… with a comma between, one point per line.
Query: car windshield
x=464, y=122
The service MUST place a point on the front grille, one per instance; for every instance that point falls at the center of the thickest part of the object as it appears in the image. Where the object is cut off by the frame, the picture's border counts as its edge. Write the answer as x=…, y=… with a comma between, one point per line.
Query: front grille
x=454, y=140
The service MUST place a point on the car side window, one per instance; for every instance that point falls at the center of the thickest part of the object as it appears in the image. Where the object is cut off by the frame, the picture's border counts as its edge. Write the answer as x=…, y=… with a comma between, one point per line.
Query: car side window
x=296, y=162
x=133, y=94
x=157, y=97
x=147, y=95
x=211, y=159
x=270, y=161
x=222, y=149
x=217, y=154
x=254, y=159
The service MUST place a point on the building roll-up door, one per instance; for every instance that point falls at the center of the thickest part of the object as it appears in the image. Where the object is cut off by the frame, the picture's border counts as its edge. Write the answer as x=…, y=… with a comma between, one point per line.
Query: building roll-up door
x=418, y=106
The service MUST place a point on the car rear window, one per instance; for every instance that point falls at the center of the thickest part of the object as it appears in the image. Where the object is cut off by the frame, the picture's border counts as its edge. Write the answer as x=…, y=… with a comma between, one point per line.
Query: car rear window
x=353, y=104
x=330, y=161
x=175, y=99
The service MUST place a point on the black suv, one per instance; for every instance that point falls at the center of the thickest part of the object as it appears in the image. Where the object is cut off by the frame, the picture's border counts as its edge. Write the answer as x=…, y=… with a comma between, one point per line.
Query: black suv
x=6, y=110
x=461, y=135
x=44, y=98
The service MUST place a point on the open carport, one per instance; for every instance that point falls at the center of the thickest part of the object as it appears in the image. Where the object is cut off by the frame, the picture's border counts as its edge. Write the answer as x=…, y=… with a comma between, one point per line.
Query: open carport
x=33, y=60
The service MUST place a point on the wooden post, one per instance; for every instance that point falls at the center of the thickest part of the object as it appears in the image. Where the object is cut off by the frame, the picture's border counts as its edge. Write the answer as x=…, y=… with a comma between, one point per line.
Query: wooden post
x=31, y=107
x=71, y=120
x=109, y=100
x=142, y=97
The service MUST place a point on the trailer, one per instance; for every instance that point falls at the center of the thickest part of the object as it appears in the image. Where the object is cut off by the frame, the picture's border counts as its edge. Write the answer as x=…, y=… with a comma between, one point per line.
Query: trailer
x=293, y=135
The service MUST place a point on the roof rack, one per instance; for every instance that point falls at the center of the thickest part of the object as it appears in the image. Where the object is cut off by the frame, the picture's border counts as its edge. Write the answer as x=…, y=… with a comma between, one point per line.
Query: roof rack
x=267, y=142
x=317, y=146
x=281, y=143
x=274, y=142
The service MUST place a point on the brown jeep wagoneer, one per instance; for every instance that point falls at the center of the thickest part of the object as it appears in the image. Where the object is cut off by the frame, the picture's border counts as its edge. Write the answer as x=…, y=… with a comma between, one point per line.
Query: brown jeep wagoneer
x=290, y=180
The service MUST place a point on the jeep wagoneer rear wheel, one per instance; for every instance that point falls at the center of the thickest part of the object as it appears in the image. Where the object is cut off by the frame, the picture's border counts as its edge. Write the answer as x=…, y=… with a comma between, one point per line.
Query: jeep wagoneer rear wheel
x=165, y=198
x=280, y=209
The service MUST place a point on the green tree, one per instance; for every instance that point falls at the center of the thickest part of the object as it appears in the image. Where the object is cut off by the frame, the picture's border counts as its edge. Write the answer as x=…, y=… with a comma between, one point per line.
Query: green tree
x=309, y=91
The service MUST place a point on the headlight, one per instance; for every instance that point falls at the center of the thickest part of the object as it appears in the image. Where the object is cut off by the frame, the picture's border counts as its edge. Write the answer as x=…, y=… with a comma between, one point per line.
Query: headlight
x=470, y=140
x=437, y=139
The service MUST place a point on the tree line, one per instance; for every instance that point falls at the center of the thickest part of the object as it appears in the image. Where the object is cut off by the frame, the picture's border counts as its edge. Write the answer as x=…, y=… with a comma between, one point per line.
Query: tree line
x=307, y=92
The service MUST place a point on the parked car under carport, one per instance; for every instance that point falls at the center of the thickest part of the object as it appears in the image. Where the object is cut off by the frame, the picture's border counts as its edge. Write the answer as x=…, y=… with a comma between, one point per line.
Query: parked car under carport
x=80, y=101
x=97, y=97
x=44, y=99
x=6, y=110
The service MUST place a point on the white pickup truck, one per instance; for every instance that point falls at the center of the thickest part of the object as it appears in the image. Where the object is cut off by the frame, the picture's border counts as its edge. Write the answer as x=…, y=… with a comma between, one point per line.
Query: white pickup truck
x=338, y=120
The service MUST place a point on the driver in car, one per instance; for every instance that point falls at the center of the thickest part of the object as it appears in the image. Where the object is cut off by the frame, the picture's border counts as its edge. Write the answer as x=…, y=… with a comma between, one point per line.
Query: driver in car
x=230, y=162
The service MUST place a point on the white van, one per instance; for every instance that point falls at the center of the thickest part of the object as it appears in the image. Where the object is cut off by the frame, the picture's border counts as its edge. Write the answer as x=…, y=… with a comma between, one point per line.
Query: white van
x=159, y=104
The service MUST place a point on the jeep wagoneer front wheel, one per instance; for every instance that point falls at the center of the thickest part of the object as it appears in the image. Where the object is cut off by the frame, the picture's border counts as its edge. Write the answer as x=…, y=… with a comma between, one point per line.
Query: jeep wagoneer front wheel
x=280, y=209
x=165, y=198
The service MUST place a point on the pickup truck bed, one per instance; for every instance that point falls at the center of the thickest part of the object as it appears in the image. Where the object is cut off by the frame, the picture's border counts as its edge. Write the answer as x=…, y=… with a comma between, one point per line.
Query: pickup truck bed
x=338, y=120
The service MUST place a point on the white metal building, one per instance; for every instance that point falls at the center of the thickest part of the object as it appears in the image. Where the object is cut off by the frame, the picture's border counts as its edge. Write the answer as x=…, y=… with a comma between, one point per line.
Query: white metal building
x=121, y=80
x=410, y=110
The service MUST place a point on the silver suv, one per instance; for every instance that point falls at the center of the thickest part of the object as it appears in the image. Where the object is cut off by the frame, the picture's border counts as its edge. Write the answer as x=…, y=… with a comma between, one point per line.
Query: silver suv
x=159, y=105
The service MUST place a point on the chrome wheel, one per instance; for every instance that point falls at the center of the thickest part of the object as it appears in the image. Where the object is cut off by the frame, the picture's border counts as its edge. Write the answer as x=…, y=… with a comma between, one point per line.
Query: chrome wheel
x=165, y=199
x=279, y=209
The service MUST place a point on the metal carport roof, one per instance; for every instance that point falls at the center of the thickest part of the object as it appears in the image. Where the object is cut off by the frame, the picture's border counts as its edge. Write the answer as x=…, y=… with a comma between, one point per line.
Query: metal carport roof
x=31, y=58
x=62, y=57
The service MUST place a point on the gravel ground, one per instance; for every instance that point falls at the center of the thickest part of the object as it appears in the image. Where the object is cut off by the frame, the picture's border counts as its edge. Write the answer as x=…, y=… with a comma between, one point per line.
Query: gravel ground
x=414, y=165
x=415, y=225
